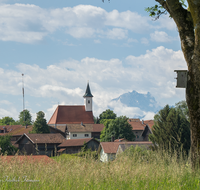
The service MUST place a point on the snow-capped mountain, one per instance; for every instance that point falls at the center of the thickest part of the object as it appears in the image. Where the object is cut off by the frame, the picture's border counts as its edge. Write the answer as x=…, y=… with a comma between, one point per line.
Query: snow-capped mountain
x=146, y=102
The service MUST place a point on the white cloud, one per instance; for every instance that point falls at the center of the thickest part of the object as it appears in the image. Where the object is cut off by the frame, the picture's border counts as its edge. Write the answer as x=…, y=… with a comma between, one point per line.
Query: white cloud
x=145, y=41
x=161, y=36
x=66, y=82
x=28, y=23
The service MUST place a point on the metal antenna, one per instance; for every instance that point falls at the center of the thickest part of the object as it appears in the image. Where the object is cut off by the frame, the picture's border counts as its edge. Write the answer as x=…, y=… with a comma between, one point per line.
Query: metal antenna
x=23, y=97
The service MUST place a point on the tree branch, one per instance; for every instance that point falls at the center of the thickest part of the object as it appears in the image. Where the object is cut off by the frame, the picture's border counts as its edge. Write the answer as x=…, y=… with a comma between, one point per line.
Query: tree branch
x=194, y=7
x=184, y=22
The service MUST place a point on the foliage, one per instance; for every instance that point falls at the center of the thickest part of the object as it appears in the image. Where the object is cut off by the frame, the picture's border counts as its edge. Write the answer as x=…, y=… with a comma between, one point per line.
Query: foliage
x=161, y=171
x=157, y=10
x=25, y=118
x=171, y=130
x=84, y=148
x=6, y=146
x=88, y=154
x=7, y=121
x=182, y=106
x=108, y=114
x=119, y=128
x=40, y=124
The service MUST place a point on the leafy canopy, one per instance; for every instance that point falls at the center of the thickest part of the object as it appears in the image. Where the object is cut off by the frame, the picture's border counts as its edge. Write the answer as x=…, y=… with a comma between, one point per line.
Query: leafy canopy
x=25, y=118
x=7, y=121
x=171, y=130
x=157, y=10
x=6, y=146
x=108, y=114
x=118, y=128
x=40, y=124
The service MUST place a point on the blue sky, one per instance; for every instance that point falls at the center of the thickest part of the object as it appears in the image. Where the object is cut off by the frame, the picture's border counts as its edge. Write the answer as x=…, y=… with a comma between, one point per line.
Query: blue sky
x=60, y=45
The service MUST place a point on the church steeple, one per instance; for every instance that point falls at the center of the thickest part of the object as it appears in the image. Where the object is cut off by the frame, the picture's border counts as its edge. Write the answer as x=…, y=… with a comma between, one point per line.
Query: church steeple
x=88, y=92
x=88, y=98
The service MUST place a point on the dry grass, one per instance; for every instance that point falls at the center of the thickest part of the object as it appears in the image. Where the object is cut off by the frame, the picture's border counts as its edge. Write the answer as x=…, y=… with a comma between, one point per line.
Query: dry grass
x=129, y=171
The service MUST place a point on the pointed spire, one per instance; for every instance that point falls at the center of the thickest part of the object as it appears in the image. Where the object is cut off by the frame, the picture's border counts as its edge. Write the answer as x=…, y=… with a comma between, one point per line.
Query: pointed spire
x=88, y=92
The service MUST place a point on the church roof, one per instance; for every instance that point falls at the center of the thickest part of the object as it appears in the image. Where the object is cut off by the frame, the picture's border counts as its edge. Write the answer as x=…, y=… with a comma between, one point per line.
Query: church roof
x=71, y=115
x=88, y=92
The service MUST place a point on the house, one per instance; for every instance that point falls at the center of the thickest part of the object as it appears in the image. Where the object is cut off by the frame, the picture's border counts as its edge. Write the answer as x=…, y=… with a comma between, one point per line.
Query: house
x=123, y=147
x=74, y=114
x=141, y=129
x=74, y=145
x=79, y=131
x=5, y=129
x=16, y=131
x=42, y=144
x=109, y=150
x=76, y=121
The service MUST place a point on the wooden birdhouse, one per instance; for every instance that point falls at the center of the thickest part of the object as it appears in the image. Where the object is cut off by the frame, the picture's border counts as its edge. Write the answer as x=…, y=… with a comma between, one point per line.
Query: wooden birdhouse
x=181, y=78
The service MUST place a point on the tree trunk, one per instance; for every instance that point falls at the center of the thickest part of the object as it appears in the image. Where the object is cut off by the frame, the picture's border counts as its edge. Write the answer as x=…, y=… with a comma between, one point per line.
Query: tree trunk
x=193, y=101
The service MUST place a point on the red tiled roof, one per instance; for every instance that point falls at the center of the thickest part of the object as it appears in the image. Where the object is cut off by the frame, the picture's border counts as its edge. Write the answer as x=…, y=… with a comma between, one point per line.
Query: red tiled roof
x=44, y=138
x=75, y=142
x=81, y=127
x=21, y=130
x=9, y=127
x=71, y=115
x=137, y=125
x=98, y=127
x=150, y=123
x=112, y=147
x=32, y=158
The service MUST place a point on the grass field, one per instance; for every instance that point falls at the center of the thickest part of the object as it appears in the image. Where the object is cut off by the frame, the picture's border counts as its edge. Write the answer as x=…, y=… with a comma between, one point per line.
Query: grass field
x=135, y=170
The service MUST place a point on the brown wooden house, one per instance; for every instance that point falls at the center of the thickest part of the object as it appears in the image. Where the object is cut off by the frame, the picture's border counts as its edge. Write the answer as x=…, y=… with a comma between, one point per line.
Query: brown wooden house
x=41, y=144
x=74, y=145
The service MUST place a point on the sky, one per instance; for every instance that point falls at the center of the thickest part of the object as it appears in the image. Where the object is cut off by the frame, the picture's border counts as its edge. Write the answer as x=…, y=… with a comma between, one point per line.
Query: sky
x=61, y=45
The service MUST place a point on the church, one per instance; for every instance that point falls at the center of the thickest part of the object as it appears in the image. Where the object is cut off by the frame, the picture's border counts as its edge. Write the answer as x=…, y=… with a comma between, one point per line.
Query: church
x=76, y=121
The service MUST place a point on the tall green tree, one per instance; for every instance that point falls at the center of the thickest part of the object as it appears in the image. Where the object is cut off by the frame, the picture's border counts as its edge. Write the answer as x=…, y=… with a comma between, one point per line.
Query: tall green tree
x=118, y=128
x=108, y=114
x=40, y=124
x=171, y=130
x=187, y=20
x=182, y=106
x=25, y=118
x=7, y=121
x=5, y=145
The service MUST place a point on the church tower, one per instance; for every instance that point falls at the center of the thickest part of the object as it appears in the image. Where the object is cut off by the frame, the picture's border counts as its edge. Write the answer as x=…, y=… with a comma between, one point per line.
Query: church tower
x=88, y=99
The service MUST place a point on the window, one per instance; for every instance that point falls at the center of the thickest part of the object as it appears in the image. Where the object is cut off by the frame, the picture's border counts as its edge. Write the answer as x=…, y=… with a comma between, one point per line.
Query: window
x=74, y=135
x=86, y=135
x=88, y=101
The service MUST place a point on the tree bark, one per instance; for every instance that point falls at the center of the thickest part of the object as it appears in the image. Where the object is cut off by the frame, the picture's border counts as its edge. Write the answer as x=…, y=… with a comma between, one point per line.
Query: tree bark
x=188, y=24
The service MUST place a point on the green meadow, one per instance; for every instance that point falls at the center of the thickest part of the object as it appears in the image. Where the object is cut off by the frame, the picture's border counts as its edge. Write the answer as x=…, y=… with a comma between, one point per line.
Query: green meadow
x=131, y=170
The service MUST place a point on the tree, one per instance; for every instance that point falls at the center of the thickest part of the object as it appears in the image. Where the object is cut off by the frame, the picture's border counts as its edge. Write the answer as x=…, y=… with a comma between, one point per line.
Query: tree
x=108, y=114
x=171, y=130
x=118, y=128
x=40, y=124
x=187, y=21
x=25, y=118
x=182, y=106
x=7, y=121
x=6, y=146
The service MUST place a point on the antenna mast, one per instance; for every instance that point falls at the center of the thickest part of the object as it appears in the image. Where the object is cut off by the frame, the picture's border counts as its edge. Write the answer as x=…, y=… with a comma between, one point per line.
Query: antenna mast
x=23, y=97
